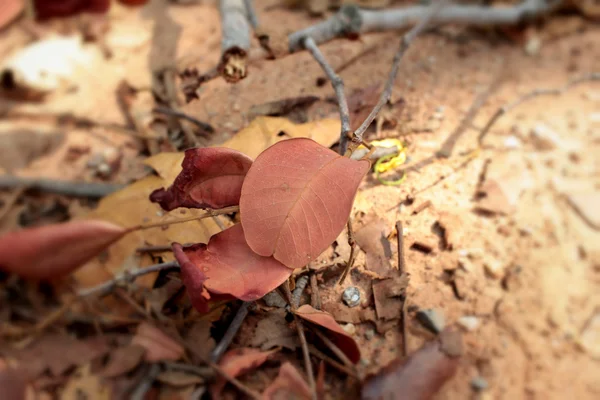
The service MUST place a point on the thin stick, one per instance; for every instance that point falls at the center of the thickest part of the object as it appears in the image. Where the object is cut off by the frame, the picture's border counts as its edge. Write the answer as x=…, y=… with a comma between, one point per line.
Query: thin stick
x=400, y=241
x=106, y=287
x=232, y=330
x=336, y=350
x=531, y=95
x=315, y=298
x=139, y=393
x=338, y=87
x=402, y=270
x=300, y=328
x=181, y=115
x=298, y=290
x=66, y=188
x=318, y=353
x=209, y=213
x=352, y=244
x=405, y=43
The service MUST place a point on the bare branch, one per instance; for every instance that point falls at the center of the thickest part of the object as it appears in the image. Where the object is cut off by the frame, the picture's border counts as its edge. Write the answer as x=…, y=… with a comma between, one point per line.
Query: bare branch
x=338, y=87
x=66, y=188
x=235, y=41
x=232, y=330
x=406, y=41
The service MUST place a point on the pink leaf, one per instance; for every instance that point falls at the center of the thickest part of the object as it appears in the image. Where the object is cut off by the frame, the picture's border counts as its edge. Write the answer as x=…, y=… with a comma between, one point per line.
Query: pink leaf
x=55, y=250
x=335, y=332
x=228, y=266
x=211, y=178
x=289, y=384
x=237, y=362
x=296, y=199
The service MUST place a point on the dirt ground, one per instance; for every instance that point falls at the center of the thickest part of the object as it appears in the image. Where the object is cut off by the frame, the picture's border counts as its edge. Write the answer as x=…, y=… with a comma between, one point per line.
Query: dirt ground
x=529, y=275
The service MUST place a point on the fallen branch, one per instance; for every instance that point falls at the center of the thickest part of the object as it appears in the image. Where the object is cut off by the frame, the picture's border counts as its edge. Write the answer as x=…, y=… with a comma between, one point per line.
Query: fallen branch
x=235, y=41
x=595, y=76
x=232, y=330
x=65, y=188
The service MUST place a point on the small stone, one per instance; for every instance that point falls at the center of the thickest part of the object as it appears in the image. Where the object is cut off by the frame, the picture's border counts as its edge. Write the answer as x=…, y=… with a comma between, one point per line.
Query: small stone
x=512, y=143
x=469, y=322
x=545, y=138
x=479, y=384
x=369, y=334
x=349, y=328
x=351, y=296
x=104, y=170
x=494, y=268
x=432, y=319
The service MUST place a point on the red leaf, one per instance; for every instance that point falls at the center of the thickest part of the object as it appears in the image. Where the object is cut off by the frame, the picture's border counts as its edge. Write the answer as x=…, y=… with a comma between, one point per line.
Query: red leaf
x=420, y=376
x=228, y=266
x=296, y=199
x=337, y=334
x=55, y=250
x=210, y=178
x=237, y=362
x=289, y=384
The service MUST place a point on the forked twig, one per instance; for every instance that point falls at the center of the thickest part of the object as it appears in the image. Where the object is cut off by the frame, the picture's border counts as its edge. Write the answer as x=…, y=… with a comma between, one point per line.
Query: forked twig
x=595, y=76
x=232, y=330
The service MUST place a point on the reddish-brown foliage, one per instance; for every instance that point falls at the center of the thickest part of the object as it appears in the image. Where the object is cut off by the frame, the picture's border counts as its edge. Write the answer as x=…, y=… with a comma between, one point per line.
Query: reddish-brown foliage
x=296, y=199
x=210, y=178
x=289, y=384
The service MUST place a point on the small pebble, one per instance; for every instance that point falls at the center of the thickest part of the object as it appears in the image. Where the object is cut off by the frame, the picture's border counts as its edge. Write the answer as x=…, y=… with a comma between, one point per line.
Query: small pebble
x=432, y=319
x=479, y=384
x=104, y=170
x=349, y=328
x=369, y=334
x=351, y=296
x=533, y=46
x=512, y=142
x=494, y=268
x=469, y=322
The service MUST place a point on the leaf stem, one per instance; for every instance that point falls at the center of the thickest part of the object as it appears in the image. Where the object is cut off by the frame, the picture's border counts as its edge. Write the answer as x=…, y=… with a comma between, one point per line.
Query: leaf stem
x=209, y=213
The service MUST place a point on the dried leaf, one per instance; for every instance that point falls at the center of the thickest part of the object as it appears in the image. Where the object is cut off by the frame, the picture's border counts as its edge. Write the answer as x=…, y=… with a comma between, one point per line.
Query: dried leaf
x=372, y=239
x=420, y=376
x=335, y=332
x=272, y=331
x=159, y=346
x=198, y=338
x=228, y=266
x=296, y=199
x=289, y=384
x=179, y=378
x=264, y=132
x=237, y=362
x=55, y=250
x=210, y=178
x=386, y=294
x=123, y=360
x=84, y=384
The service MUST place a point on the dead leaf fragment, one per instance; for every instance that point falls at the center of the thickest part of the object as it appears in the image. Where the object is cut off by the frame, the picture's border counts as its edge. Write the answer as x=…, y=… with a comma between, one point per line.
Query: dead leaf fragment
x=159, y=346
x=372, y=239
x=179, y=378
x=54, y=251
x=336, y=333
x=386, y=293
x=272, y=331
x=85, y=384
x=289, y=384
x=123, y=360
x=420, y=376
x=199, y=339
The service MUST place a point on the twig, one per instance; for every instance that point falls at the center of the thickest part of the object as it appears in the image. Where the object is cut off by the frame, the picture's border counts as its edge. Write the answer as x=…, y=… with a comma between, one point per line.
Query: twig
x=65, y=188
x=298, y=290
x=106, y=287
x=402, y=270
x=405, y=43
x=209, y=213
x=336, y=350
x=235, y=40
x=315, y=298
x=318, y=353
x=232, y=330
x=251, y=13
x=595, y=76
x=300, y=328
x=139, y=393
x=178, y=114
x=352, y=244
x=338, y=87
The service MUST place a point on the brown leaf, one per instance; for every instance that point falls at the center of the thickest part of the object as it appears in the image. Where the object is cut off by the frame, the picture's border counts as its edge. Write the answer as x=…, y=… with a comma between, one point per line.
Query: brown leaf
x=237, y=362
x=289, y=384
x=296, y=199
x=272, y=331
x=386, y=293
x=335, y=332
x=227, y=266
x=179, y=378
x=84, y=384
x=55, y=250
x=372, y=239
x=210, y=178
x=123, y=360
x=420, y=376
x=199, y=339
x=159, y=346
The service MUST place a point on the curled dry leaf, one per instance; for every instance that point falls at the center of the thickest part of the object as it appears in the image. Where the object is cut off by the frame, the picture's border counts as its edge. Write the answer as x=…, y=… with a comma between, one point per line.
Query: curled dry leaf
x=55, y=250
x=210, y=178
x=420, y=376
x=159, y=346
x=296, y=199
x=237, y=362
x=335, y=332
x=228, y=266
x=289, y=384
